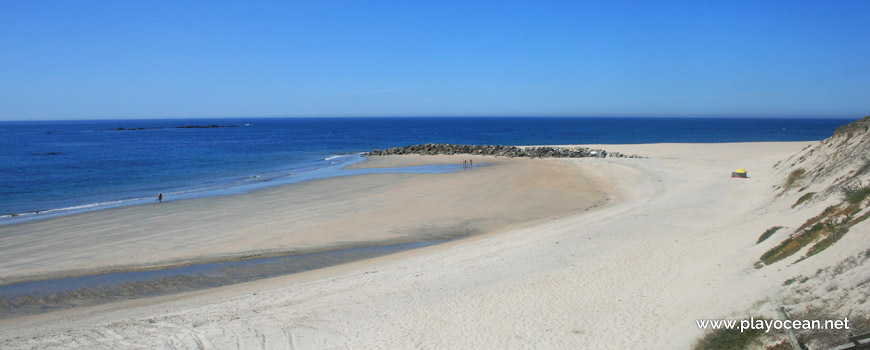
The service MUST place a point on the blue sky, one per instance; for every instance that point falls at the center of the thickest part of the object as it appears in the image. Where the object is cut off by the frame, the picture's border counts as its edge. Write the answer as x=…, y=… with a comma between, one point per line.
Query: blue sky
x=153, y=59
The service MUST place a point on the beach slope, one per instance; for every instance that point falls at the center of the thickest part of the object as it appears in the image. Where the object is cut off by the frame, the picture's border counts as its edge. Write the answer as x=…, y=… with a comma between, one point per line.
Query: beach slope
x=676, y=242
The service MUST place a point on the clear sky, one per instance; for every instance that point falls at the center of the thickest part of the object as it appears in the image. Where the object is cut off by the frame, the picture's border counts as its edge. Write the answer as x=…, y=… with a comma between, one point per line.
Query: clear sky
x=153, y=59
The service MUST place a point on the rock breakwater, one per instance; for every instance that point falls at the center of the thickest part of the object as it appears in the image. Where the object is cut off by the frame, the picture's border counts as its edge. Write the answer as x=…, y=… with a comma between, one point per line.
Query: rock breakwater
x=500, y=151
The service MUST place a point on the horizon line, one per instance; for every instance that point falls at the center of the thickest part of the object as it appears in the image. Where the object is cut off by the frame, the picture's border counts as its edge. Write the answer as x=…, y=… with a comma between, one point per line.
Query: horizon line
x=699, y=116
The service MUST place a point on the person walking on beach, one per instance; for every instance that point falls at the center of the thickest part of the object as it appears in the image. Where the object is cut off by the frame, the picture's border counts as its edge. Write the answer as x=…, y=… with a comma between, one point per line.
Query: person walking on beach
x=160, y=197
x=470, y=164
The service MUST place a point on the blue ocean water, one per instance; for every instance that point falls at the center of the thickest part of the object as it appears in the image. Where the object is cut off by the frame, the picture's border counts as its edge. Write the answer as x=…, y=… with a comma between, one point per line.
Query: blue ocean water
x=56, y=166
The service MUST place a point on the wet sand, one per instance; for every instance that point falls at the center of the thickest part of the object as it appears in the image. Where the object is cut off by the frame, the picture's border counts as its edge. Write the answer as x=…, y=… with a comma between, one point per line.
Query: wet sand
x=34, y=297
x=316, y=216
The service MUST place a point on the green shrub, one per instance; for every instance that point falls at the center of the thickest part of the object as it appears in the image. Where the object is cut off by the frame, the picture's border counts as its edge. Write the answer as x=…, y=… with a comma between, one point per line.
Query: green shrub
x=818, y=218
x=859, y=195
x=728, y=339
x=826, y=242
x=768, y=233
x=836, y=230
x=793, y=244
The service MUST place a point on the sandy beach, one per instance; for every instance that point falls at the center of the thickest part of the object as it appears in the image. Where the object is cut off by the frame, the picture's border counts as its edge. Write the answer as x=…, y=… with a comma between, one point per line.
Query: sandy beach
x=314, y=216
x=565, y=175
x=557, y=254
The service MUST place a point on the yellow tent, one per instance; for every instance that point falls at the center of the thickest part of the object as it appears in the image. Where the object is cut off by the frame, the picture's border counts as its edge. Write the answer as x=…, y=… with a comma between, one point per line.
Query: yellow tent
x=739, y=173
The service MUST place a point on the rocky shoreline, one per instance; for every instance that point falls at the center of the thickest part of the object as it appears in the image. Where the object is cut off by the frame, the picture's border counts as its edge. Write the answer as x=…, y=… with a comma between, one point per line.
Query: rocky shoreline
x=500, y=151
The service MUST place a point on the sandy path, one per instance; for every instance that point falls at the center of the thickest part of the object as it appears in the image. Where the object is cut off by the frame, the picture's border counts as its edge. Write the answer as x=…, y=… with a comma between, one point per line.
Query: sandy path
x=676, y=244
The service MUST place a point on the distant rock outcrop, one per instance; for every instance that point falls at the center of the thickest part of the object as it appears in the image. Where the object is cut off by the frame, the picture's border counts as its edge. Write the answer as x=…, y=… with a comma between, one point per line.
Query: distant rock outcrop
x=500, y=151
x=213, y=126
x=204, y=126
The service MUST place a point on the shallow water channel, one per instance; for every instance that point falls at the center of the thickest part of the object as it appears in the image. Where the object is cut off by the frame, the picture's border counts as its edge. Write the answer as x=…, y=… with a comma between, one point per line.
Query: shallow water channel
x=53, y=294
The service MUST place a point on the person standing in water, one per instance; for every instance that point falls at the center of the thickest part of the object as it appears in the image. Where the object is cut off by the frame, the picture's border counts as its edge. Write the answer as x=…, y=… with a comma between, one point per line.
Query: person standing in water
x=160, y=197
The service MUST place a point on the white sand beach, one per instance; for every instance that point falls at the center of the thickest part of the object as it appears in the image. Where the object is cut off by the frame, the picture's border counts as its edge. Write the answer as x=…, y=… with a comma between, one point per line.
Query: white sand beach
x=570, y=254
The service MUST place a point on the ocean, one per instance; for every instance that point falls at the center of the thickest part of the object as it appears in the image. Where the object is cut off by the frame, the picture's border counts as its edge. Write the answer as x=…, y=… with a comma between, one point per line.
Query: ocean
x=55, y=167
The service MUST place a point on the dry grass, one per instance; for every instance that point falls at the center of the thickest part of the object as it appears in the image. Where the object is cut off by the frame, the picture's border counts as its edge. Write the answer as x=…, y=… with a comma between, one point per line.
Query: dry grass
x=793, y=178
x=861, y=125
x=803, y=198
x=782, y=345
